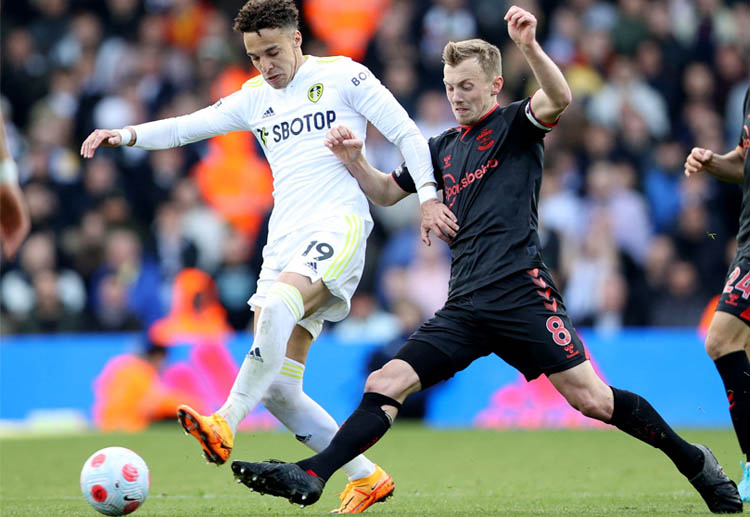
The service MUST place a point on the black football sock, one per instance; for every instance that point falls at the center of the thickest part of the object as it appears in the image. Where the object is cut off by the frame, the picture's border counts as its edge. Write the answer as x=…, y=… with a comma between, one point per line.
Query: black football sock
x=635, y=416
x=734, y=369
x=361, y=431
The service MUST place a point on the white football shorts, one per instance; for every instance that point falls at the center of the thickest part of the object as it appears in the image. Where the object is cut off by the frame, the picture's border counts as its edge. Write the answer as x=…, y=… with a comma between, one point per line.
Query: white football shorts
x=332, y=250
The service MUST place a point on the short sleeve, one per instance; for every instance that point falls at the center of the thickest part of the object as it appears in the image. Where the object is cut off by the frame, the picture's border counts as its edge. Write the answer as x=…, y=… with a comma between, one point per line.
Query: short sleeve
x=524, y=120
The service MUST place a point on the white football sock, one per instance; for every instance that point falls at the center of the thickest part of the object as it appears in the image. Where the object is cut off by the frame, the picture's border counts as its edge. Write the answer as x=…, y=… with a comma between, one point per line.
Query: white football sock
x=310, y=423
x=282, y=309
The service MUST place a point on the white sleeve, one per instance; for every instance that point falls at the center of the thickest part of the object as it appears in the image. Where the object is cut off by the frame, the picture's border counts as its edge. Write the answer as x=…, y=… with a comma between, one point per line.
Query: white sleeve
x=366, y=94
x=226, y=115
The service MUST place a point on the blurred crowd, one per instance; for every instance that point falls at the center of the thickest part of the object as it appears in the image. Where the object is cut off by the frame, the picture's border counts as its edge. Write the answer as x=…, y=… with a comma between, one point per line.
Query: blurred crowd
x=631, y=241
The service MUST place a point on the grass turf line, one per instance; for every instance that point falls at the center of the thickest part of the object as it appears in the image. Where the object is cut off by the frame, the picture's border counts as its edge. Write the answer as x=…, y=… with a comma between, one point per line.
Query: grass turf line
x=452, y=472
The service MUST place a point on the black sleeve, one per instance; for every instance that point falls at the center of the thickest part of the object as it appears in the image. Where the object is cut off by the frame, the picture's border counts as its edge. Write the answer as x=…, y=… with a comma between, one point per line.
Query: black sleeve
x=403, y=179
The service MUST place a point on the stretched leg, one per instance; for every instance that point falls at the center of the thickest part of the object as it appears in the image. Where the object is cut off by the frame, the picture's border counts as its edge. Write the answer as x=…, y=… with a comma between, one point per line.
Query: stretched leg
x=291, y=298
x=385, y=391
x=727, y=344
x=305, y=418
x=586, y=392
x=303, y=482
x=442, y=347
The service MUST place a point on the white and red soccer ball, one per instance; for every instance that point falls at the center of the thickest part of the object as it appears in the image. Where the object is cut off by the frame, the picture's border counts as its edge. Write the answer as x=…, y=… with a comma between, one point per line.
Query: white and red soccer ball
x=115, y=481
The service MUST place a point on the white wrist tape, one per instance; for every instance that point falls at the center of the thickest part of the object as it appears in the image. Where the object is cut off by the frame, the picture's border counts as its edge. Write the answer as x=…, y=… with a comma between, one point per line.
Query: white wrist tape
x=8, y=172
x=125, y=136
x=426, y=192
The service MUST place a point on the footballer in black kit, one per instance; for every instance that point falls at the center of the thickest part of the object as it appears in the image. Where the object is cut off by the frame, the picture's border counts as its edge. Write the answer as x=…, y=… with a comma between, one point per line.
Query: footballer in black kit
x=728, y=337
x=501, y=298
x=735, y=297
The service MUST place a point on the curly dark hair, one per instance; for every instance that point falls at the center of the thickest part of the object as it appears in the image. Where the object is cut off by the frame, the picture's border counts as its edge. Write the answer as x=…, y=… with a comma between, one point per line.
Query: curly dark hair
x=267, y=14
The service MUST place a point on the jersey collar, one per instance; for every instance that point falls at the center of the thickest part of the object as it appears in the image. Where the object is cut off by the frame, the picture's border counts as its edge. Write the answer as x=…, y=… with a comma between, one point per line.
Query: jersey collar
x=475, y=124
x=301, y=72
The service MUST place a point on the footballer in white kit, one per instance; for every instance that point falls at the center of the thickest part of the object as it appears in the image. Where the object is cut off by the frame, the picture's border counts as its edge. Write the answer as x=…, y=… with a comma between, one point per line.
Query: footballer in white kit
x=320, y=219
x=314, y=256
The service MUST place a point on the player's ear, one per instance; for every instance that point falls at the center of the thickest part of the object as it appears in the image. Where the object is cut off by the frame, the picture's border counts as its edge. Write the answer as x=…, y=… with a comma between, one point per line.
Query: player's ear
x=497, y=85
x=297, y=39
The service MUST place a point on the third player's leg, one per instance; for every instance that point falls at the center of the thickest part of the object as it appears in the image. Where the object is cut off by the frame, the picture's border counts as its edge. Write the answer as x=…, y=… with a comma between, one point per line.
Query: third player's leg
x=726, y=334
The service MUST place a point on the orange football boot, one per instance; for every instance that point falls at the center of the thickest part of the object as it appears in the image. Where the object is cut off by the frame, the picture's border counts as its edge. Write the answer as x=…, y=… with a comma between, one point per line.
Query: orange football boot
x=212, y=432
x=362, y=493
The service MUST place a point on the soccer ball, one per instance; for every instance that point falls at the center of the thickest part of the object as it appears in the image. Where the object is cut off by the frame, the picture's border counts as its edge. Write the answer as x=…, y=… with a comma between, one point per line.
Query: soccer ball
x=115, y=481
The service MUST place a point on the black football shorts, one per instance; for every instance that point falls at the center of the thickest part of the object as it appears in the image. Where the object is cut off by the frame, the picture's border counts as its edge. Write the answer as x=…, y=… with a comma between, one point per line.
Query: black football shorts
x=735, y=297
x=520, y=318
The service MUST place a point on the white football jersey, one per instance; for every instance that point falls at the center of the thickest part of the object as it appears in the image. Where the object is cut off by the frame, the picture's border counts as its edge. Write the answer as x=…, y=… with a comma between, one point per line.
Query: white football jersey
x=310, y=183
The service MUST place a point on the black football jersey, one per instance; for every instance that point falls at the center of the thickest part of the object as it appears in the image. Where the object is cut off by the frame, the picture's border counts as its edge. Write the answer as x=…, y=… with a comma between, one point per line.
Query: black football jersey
x=490, y=174
x=743, y=236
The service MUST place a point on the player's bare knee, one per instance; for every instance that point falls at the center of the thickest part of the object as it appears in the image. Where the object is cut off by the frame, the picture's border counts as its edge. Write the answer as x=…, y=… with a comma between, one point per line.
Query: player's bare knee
x=717, y=345
x=394, y=380
x=592, y=404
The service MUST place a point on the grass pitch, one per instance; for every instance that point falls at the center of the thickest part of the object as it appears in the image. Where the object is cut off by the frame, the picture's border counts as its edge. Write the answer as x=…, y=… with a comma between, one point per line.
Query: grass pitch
x=466, y=472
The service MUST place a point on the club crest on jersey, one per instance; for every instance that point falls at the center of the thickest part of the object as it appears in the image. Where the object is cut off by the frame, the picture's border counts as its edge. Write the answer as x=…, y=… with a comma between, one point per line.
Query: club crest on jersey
x=315, y=92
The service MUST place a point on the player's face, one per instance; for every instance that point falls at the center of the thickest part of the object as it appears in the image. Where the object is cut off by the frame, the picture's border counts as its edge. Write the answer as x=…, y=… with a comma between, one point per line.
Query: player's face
x=275, y=53
x=469, y=90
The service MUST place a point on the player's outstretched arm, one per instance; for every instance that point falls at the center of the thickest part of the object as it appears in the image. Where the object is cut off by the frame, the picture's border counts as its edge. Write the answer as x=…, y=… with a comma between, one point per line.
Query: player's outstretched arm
x=377, y=186
x=726, y=167
x=14, y=217
x=223, y=117
x=548, y=103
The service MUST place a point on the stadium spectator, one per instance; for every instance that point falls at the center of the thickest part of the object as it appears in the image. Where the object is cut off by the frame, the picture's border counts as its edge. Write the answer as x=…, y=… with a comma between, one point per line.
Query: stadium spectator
x=48, y=315
x=38, y=255
x=124, y=257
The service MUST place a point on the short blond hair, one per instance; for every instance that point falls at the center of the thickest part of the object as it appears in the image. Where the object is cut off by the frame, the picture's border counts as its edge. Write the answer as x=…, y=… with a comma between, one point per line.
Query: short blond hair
x=486, y=53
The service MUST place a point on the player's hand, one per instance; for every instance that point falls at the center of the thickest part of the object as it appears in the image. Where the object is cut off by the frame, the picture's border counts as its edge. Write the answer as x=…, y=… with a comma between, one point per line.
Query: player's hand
x=437, y=218
x=697, y=160
x=344, y=144
x=100, y=137
x=521, y=26
x=14, y=218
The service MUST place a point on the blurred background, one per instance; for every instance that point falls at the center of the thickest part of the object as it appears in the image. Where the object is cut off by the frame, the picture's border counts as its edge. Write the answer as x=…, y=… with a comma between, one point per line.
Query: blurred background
x=139, y=265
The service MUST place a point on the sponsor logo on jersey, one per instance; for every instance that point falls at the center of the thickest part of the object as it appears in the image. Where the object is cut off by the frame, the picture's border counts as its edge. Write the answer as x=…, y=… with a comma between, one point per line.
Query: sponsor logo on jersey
x=453, y=188
x=446, y=161
x=318, y=121
x=315, y=92
x=269, y=113
x=362, y=76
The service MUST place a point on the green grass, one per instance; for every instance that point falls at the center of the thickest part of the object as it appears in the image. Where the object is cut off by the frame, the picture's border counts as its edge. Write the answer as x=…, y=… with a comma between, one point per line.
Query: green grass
x=462, y=472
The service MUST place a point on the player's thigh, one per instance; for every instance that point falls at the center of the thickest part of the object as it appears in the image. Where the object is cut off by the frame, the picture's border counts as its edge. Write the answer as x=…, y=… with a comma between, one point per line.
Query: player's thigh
x=730, y=328
x=527, y=325
x=331, y=258
x=444, y=345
